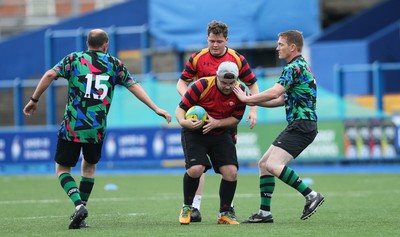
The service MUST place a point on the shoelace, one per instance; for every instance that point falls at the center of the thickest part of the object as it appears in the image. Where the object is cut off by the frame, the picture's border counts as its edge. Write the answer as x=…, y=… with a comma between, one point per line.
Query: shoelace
x=230, y=215
x=186, y=211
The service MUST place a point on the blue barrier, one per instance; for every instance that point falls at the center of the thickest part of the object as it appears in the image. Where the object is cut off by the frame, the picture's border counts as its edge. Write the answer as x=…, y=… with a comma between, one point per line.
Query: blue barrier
x=157, y=145
x=377, y=82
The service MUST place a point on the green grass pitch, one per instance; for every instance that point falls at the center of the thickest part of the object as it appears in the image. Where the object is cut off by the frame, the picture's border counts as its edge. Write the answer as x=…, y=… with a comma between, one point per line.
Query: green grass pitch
x=149, y=205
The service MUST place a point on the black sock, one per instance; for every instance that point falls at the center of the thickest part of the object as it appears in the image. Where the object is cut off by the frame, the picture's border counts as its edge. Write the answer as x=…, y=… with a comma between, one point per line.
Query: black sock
x=226, y=192
x=85, y=187
x=190, y=186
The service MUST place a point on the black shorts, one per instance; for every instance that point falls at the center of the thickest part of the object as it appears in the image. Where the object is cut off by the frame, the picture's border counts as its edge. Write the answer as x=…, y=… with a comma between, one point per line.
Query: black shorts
x=68, y=153
x=214, y=150
x=297, y=136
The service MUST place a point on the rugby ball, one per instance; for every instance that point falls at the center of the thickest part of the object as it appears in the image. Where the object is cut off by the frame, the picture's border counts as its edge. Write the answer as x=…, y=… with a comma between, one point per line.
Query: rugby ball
x=197, y=112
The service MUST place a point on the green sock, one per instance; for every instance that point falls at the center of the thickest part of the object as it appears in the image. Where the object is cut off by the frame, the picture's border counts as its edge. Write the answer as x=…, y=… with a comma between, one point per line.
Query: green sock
x=267, y=186
x=71, y=189
x=85, y=188
x=292, y=179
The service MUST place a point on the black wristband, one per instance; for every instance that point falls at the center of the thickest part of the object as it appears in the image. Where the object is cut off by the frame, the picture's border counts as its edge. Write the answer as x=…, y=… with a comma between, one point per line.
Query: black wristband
x=34, y=100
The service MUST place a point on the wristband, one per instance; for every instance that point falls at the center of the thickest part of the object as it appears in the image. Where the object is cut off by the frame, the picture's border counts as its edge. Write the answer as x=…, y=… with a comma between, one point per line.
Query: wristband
x=34, y=100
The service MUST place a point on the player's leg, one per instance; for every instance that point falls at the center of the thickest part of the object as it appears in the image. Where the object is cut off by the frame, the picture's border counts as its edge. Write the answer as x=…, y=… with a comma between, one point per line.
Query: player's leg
x=191, y=180
x=224, y=161
x=291, y=178
x=292, y=141
x=87, y=180
x=86, y=185
x=196, y=147
x=266, y=186
x=227, y=191
x=91, y=156
x=196, y=215
x=68, y=183
x=67, y=155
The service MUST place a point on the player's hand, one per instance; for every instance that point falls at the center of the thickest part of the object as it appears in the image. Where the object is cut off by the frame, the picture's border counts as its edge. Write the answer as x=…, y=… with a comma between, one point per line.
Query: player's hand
x=165, y=114
x=252, y=118
x=30, y=108
x=210, y=124
x=241, y=95
x=191, y=123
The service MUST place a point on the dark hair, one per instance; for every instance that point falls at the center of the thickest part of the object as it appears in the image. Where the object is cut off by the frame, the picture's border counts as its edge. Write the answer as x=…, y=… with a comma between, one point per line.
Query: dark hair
x=97, y=38
x=217, y=27
x=293, y=37
x=229, y=75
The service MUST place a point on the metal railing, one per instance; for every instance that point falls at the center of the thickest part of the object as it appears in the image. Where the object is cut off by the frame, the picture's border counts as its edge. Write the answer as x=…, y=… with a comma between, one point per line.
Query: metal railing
x=18, y=86
x=378, y=84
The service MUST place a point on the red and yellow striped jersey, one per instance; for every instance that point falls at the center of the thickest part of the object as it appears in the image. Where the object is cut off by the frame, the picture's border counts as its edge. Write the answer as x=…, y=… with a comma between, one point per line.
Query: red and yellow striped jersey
x=203, y=64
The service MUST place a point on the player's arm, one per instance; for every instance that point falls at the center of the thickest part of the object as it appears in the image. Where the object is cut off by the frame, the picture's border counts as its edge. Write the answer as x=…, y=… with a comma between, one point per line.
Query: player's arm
x=273, y=93
x=252, y=116
x=182, y=86
x=273, y=103
x=186, y=123
x=44, y=83
x=212, y=123
x=141, y=94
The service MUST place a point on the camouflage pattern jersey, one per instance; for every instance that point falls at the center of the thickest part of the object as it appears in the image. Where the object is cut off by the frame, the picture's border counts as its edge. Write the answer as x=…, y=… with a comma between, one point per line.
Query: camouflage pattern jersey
x=301, y=90
x=92, y=77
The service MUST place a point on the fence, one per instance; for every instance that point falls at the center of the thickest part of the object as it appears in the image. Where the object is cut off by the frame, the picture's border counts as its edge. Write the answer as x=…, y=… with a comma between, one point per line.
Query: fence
x=378, y=84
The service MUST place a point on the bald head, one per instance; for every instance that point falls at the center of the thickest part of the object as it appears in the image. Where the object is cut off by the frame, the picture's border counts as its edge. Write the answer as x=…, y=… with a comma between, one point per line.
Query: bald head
x=97, y=40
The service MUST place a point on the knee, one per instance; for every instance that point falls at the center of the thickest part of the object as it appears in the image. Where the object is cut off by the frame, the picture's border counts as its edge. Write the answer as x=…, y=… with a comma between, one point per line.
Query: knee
x=229, y=173
x=88, y=170
x=272, y=168
x=60, y=169
x=232, y=177
x=262, y=164
x=269, y=167
x=195, y=171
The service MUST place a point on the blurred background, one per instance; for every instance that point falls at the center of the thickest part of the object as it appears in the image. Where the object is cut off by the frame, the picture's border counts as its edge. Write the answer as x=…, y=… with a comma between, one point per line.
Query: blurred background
x=353, y=48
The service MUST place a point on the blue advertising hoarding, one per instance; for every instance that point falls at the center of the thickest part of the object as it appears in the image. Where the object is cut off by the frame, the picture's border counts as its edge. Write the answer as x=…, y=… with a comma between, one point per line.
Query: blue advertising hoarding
x=158, y=147
x=153, y=145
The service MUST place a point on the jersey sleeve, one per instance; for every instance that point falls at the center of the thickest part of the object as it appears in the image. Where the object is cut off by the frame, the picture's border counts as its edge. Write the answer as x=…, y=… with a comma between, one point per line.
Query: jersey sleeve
x=123, y=75
x=64, y=66
x=190, y=71
x=285, y=79
x=193, y=94
x=246, y=75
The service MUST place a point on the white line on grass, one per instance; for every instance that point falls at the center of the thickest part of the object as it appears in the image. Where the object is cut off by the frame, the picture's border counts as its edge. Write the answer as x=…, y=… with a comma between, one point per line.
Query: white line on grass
x=169, y=196
x=63, y=217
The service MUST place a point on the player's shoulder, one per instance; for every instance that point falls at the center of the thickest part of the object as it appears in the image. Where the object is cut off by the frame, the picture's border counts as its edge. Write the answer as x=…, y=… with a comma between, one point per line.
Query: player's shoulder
x=206, y=80
x=233, y=52
x=241, y=86
x=75, y=54
x=200, y=52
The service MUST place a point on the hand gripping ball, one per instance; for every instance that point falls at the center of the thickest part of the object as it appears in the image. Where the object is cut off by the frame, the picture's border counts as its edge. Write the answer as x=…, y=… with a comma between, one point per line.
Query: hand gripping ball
x=197, y=112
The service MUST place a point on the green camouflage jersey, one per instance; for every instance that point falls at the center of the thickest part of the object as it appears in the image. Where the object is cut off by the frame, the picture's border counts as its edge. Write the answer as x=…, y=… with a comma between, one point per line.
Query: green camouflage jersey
x=92, y=77
x=301, y=90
